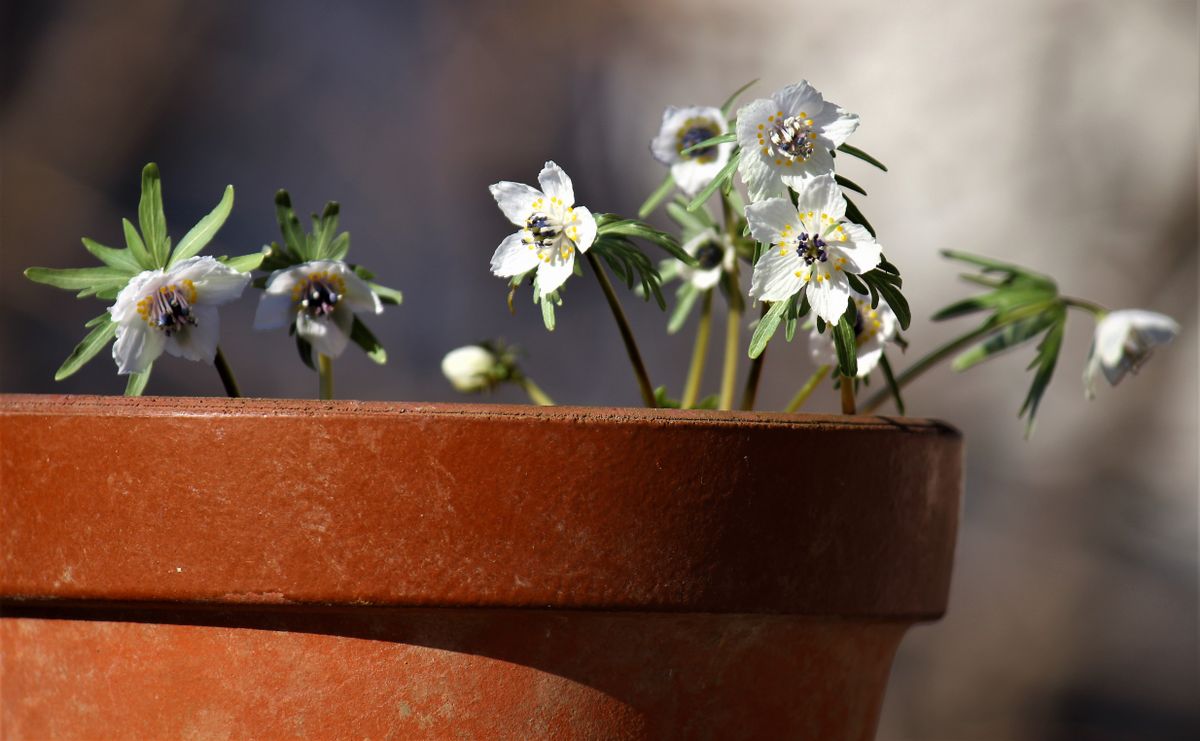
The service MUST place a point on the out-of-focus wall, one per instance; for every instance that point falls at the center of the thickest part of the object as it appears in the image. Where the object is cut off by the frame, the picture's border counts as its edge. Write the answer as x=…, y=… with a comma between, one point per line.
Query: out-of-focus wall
x=1059, y=134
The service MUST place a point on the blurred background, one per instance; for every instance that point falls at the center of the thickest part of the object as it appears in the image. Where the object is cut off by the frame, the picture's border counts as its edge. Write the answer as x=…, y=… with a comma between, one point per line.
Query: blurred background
x=1059, y=134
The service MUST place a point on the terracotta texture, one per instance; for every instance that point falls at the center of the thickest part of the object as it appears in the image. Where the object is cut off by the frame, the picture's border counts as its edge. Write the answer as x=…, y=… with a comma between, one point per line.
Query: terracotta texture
x=208, y=568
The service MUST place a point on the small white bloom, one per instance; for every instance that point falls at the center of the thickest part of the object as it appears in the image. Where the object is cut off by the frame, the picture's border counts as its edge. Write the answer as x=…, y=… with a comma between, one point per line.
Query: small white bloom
x=552, y=228
x=471, y=368
x=682, y=128
x=321, y=297
x=715, y=254
x=787, y=138
x=873, y=328
x=811, y=248
x=1124, y=340
x=173, y=310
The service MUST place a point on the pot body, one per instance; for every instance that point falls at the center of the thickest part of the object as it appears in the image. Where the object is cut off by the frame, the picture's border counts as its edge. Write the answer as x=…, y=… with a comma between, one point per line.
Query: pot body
x=252, y=568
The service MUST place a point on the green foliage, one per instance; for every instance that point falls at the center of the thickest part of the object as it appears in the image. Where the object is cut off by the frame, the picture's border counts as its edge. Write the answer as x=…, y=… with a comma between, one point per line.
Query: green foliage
x=727, y=106
x=726, y=138
x=1021, y=305
x=845, y=341
x=856, y=152
x=658, y=196
x=722, y=178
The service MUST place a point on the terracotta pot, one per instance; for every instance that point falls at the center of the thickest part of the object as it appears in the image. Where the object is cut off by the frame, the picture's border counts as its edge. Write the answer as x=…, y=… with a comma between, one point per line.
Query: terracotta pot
x=204, y=568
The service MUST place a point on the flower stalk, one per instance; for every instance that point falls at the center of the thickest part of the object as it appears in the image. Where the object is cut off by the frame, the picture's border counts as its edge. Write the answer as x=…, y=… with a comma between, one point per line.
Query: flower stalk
x=226, y=374
x=691, y=389
x=734, y=319
x=750, y=392
x=325, y=377
x=536, y=395
x=806, y=390
x=635, y=357
x=847, y=387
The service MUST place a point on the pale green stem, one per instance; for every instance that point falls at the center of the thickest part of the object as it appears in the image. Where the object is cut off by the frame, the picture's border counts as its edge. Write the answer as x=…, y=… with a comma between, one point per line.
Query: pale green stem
x=925, y=363
x=325, y=375
x=536, y=395
x=691, y=389
x=635, y=357
x=809, y=386
x=226, y=374
x=847, y=395
x=734, y=320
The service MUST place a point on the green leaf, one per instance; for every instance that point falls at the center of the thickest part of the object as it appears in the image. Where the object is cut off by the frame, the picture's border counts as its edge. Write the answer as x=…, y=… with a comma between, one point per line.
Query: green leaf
x=844, y=341
x=137, y=382
x=690, y=221
x=685, y=299
x=340, y=246
x=660, y=193
x=1045, y=361
x=293, y=236
x=244, y=263
x=114, y=258
x=151, y=216
x=885, y=284
x=856, y=283
x=324, y=228
x=385, y=294
x=640, y=230
x=135, y=245
x=726, y=172
x=856, y=152
x=361, y=336
x=893, y=387
x=202, y=233
x=766, y=328
x=306, y=354
x=854, y=214
x=95, y=341
x=89, y=280
x=727, y=106
x=1002, y=300
x=663, y=401
x=712, y=141
x=1006, y=337
x=849, y=184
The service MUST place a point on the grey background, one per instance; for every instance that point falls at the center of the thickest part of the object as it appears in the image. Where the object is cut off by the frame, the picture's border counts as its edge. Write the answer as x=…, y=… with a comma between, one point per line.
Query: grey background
x=1055, y=133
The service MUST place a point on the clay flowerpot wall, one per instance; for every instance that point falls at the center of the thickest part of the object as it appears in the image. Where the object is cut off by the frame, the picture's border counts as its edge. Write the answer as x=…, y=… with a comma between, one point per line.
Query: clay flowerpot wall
x=203, y=568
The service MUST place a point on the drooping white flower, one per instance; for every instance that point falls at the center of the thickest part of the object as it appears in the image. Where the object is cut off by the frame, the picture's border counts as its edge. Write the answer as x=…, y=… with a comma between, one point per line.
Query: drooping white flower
x=552, y=228
x=321, y=297
x=1124, y=340
x=173, y=310
x=787, y=138
x=682, y=128
x=811, y=248
x=873, y=329
x=714, y=254
x=471, y=368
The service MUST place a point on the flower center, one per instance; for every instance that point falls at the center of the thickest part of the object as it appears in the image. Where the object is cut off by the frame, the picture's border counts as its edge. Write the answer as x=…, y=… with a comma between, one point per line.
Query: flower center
x=709, y=255
x=170, y=308
x=793, y=137
x=319, y=295
x=541, y=231
x=691, y=136
x=811, y=248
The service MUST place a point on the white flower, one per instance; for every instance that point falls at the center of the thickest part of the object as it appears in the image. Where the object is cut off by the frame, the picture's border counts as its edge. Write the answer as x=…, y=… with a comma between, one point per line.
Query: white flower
x=682, y=128
x=173, y=310
x=787, y=138
x=715, y=254
x=321, y=297
x=470, y=368
x=811, y=248
x=1124, y=341
x=873, y=328
x=552, y=228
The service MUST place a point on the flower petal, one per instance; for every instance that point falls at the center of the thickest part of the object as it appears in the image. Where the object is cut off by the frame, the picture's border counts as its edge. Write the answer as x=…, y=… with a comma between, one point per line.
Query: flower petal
x=835, y=125
x=514, y=257
x=769, y=218
x=775, y=276
x=551, y=275
x=215, y=282
x=861, y=251
x=515, y=200
x=137, y=346
x=359, y=296
x=692, y=175
x=585, y=233
x=281, y=282
x=556, y=184
x=799, y=98
x=327, y=335
x=275, y=311
x=198, y=342
x=124, y=309
x=828, y=292
x=664, y=146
